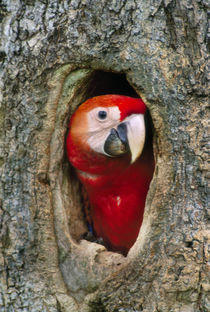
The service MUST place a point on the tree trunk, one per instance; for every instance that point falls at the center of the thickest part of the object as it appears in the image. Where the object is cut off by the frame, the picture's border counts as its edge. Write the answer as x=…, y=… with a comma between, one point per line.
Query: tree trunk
x=54, y=55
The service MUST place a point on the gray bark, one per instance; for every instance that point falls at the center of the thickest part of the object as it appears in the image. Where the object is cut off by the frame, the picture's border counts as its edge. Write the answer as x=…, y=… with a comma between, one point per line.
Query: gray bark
x=50, y=52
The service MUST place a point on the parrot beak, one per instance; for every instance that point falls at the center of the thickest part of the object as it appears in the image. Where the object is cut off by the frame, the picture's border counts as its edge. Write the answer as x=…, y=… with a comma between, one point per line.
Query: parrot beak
x=129, y=135
x=136, y=135
x=116, y=143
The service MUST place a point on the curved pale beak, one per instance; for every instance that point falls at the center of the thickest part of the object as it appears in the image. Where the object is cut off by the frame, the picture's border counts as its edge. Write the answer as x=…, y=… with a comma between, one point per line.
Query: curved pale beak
x=129, y=135
x=135, y=134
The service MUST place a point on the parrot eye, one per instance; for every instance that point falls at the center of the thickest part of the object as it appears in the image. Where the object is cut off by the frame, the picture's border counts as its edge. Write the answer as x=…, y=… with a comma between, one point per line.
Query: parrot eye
x=102, y=115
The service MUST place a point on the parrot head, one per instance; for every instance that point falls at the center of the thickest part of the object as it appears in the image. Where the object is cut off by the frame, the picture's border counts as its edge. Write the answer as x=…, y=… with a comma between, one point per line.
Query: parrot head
x=104, y=128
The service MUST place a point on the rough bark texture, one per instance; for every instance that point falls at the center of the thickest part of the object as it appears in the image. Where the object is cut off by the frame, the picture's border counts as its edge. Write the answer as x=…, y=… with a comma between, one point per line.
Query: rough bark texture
x=50, y=51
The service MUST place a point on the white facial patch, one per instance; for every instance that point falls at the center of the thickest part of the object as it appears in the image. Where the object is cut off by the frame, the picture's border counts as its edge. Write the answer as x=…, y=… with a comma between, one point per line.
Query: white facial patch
x=99, y=130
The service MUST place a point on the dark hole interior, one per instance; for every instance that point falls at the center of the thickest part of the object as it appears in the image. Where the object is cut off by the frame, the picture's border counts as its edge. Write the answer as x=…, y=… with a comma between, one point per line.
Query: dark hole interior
x=102, y=83
x=110, y=83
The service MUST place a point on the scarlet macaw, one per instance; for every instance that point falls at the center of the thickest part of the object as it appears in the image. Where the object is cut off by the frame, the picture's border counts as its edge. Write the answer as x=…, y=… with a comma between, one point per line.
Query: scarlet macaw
x=106, y=145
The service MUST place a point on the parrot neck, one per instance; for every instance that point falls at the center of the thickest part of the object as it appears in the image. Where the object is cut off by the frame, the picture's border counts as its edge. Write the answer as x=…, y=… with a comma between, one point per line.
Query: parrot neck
x=91, y=164
x=97, y=170
x=117, y=171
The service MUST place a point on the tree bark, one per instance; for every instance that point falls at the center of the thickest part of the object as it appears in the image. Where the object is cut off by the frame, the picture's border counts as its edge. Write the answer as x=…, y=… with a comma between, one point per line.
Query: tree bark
x=54, y=55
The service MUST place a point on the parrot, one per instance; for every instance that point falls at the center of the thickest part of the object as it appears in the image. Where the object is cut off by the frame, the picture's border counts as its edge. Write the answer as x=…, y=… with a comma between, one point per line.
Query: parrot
x=106, y=144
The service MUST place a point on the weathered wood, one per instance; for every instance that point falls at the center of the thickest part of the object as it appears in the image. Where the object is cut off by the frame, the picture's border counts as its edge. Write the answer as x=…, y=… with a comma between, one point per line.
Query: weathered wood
x=52, y=56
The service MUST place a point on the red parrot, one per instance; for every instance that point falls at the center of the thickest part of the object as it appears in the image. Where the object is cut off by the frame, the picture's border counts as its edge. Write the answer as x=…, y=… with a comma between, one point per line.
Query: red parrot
x=106, y=145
